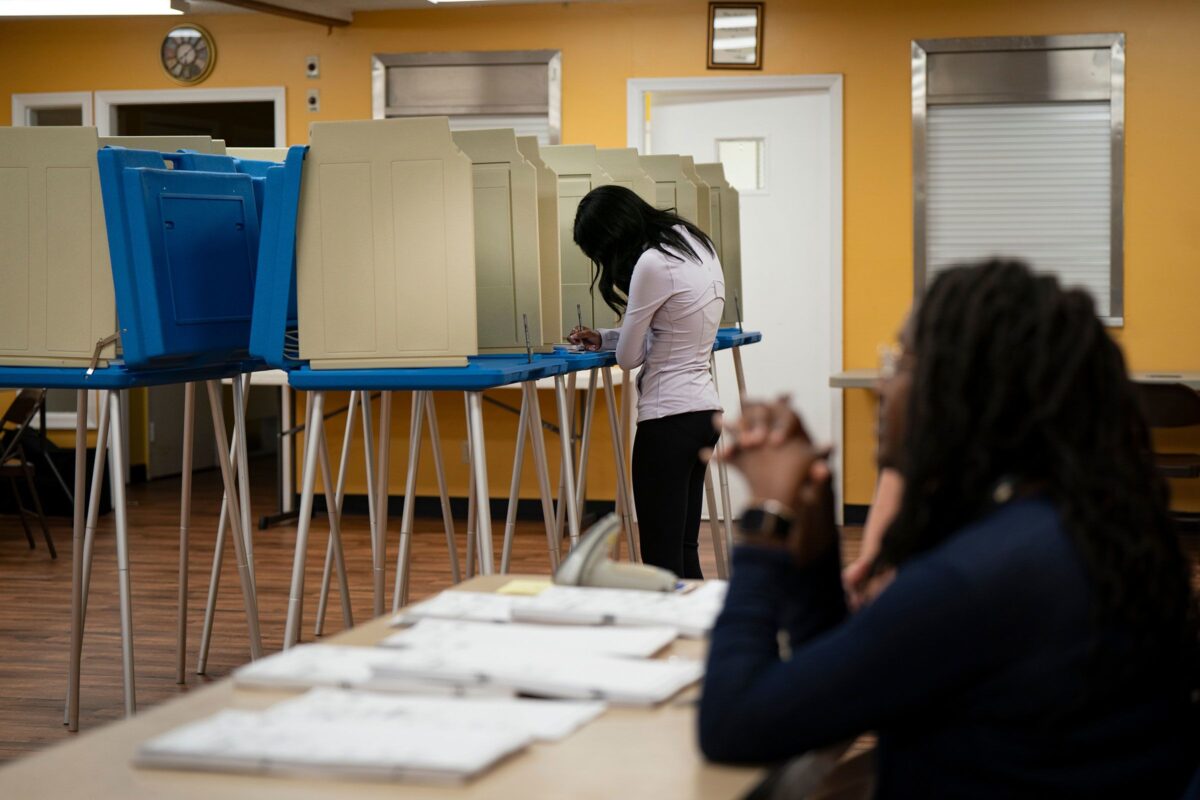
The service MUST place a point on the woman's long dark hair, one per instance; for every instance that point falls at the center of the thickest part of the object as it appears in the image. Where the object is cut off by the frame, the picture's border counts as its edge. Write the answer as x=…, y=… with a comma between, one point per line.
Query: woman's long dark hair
x=613, y=227
x=1015, y=377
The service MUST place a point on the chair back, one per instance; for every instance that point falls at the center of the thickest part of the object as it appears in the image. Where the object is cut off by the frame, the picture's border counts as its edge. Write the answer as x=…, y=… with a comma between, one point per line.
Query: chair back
x=1169, y=405
x=17, y=417
x=184, y=247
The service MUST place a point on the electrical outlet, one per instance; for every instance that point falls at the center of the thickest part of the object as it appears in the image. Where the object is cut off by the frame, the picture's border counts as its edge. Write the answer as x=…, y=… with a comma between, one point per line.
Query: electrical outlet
x=314, y=99
x=465, y=454
x=312, y=66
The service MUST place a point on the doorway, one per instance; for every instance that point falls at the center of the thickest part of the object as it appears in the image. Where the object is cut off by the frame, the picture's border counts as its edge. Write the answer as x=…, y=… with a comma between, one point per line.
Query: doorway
x=780, y=139
x=253, y=117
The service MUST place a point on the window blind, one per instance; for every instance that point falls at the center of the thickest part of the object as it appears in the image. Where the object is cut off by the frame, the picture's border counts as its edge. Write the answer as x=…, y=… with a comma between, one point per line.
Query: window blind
x=1031, y=181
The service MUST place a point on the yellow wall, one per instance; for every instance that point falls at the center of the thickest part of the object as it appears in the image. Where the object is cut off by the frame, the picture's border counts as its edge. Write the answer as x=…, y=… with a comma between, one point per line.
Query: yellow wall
x=867, y=41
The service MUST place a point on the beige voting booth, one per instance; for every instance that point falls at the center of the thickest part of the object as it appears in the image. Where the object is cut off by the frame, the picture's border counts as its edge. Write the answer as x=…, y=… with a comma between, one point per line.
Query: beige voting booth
x=385, y=260
x=673, y=188
x=622, y=165
x=57, y=297
x=578, y=173
x=548, y=241
x=258, y=153
x=507, y=275
x=703, y=195
x=727, y=225
x=167, y=144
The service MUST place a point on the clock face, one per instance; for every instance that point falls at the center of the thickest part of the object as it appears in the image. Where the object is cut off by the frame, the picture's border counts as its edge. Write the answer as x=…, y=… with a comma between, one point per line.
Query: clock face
x=188, y=53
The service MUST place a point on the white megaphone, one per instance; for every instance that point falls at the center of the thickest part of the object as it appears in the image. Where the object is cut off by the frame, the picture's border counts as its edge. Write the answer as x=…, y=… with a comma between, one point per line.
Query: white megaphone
x=589, y=564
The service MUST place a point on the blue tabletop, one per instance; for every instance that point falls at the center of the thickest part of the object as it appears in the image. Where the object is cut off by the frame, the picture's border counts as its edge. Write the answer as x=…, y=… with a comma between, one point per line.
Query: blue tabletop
x=115, y=376
x=732, y=337
x=481, y=372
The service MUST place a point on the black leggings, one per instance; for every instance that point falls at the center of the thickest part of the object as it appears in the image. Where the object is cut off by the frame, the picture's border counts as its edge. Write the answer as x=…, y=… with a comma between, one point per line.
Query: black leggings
x=668, y=484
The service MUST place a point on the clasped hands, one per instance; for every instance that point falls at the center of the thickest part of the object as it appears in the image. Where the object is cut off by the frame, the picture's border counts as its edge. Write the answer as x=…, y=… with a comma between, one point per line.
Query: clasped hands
x=771, y=448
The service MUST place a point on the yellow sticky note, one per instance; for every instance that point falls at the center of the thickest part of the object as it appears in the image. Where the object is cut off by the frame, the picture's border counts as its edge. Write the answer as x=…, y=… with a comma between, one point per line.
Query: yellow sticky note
x=524, y=586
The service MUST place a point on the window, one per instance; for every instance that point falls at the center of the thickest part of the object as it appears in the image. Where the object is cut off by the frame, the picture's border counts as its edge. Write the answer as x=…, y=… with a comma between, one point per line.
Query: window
x=1018, y=151
x=745, y=163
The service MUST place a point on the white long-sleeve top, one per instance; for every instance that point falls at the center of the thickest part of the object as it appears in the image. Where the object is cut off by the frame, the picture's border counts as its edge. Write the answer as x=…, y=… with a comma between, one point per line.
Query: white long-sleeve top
x=674, y=310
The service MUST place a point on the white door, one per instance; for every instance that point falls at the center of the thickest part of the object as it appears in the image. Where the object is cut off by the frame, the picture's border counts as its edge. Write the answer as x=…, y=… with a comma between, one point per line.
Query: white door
x=791, y=243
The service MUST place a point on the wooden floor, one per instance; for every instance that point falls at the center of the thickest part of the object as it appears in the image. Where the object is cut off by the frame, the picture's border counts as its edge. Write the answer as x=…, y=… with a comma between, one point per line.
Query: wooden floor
x=35, y=601
x=35, y=597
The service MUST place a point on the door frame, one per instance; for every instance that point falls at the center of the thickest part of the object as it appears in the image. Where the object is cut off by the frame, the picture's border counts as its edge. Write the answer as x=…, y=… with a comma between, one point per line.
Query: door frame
x=637, y=92
x=22, y=104
x=108, y=102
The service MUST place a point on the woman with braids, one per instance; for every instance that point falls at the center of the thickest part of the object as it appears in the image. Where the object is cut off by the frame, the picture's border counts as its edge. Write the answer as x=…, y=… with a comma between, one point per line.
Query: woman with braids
x=1037, y=638
x=662, y=275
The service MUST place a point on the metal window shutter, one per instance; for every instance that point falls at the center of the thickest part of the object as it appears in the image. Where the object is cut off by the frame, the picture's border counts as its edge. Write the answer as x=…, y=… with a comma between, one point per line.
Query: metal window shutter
x=1032, y=181
x=524, y=124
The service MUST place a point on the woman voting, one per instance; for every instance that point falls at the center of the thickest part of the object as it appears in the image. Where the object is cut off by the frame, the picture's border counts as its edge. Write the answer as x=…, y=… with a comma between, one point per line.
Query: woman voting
x=662, y=275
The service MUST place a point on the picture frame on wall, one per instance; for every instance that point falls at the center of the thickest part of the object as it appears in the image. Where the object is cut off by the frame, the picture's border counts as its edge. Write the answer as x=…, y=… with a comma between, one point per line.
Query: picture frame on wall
x=735, y=35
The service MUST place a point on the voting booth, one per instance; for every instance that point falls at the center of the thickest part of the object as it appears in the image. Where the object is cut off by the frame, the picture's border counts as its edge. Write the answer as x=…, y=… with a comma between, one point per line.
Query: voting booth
x=622, y=165
x=277, y=154
x=674, y=188
x=167, y=144
x=57, y=299
x=385, y=256
x=578, y=173
x=727, y=227
x=507, y=274
x=548, y=241
x=703, y=202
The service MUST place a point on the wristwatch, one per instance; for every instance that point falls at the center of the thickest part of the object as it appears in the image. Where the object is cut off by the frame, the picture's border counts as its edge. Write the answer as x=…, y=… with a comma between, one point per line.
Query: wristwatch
x=770, y=519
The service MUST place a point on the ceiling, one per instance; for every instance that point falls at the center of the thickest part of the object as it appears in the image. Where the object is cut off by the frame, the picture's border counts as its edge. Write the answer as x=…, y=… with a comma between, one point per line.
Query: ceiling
x=340, y=7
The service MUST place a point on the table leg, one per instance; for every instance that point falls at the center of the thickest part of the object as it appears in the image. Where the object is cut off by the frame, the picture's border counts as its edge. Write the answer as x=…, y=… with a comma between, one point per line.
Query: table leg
x=416, y=426
x=71, y=712
x=722, y=471
x=287, y=447
x=510, y=522
x=589, y=408
x=185, y=515
x=316, y=412
x=624, y=494
x=327, y=570
x=741, y=376
x=479, y=468
x=333, y=505
x=379, y=551
x=568, y=468
x=534, y=411
x=116, y=467
x=241, y=396
x=435, y=439
x=560, y=516
x=718, y=535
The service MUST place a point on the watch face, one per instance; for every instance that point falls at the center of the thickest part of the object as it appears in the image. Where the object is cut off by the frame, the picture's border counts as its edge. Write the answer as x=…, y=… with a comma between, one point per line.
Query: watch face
x=188, y=54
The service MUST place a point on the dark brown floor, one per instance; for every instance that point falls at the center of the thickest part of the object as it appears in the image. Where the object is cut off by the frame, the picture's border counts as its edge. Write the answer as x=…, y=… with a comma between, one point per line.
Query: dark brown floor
x=35, y=597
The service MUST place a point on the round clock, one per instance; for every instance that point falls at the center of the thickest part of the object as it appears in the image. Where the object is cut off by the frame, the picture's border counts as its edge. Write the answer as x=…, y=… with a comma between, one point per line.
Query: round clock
x=188, y=53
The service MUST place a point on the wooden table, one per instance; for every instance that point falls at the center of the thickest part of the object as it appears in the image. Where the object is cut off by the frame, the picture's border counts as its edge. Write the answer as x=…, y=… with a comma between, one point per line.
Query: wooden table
x=869, y=378
x=626, y=753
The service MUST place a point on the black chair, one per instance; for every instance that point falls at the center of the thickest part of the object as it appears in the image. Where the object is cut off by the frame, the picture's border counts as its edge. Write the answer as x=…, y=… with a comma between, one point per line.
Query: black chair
x=1173, y=405
x=14, y=465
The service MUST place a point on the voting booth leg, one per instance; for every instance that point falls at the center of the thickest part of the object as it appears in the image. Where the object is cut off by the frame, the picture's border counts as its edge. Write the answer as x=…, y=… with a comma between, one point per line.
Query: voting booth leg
x=185, y=518
x=589, y=408
x=214, y=581
x=470, y=569
x=510, y=521
x=379, y=543
x=714, y=525
x=245, y=576
x=533, y=409
x=483, y=517
x=416, y=423
x=327, y=570
x=286, y=447
x=624, y=496
x=333, y=506
x=116, y=468
x=435, y=439
x=561, y=510
x=568, y=467
x=71, y=711
x=89, y=538
x=627, y=434
x=722, y=470
x=316, y=409
x=741, y=376
x=241, y=396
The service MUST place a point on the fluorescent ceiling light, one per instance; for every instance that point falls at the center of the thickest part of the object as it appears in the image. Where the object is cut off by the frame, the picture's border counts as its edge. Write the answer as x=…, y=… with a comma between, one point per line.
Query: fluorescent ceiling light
x=439, y=2
x=85, y=8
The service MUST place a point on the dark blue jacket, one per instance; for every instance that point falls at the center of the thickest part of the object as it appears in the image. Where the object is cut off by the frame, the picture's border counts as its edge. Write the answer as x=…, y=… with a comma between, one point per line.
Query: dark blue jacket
x=977, y=668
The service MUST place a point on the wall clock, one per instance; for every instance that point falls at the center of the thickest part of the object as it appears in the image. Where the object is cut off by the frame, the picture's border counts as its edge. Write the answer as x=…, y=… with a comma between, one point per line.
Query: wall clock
x=188, y=54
